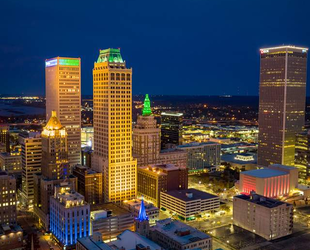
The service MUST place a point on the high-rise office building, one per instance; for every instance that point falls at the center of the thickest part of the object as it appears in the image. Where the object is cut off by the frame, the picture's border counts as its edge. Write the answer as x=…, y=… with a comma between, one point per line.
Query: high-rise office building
x=7, y=198
x=302, y=155
x=146, y=137
x=4, y=138
x=282, y=96
x=171, y=129
x=54, y=149
x=63, y=95
x=89, y=184
x=31, y=164
x=112, y=94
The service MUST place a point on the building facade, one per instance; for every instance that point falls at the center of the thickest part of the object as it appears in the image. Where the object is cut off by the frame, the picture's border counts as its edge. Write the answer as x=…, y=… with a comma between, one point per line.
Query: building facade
x=146, y=137
x=173, y=156
x=112, y=105
x=157, y=178
x=189, y=203
x=89, y=184
x=268, y=218
x=55, y=163
x=282, y=96
x=7, y=199
x=31, y=164
x=69, y=216
x=302, y=155
x=171, y=129
x=63, y=95
x=11, y=162
x=202, y=155
x=4, y=138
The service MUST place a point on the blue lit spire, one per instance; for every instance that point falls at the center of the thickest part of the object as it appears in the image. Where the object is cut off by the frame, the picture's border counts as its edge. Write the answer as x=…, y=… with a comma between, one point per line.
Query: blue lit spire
x=142, y=214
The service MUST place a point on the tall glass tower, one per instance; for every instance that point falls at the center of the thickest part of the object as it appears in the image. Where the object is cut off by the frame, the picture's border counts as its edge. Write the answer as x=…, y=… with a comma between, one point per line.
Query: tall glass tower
x=112, y=93
x=282, y=96
x=63, y=95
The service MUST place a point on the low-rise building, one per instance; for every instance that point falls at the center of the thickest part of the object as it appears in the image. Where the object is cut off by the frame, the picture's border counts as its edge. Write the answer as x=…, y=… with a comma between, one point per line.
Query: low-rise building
x=268, y=218
x=177, y=235
x=189, y=203
x=110, y=220
x=69, y=216
x=274, y=181
x=134, y=207
x=93, y=242
x=173, y=156
x=242, y=161
x=157, y=178
x=11, y=237
x=202, y=155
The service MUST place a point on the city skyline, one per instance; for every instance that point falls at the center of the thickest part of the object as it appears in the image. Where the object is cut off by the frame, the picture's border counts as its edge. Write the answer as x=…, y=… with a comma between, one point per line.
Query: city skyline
x=202, y=34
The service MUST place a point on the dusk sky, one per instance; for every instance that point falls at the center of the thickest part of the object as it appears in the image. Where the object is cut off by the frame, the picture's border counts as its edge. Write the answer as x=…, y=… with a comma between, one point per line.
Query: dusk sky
x=179, y=47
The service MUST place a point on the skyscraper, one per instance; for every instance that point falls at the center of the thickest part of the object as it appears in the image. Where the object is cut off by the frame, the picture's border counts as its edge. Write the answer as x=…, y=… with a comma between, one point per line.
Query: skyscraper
x=283, y=72
x=302, y=155
x=31, y=163
x=112, y=96
x=63, y=94
x=146, y=137
x=54, y=149
x=7, y=198
x=171, y=129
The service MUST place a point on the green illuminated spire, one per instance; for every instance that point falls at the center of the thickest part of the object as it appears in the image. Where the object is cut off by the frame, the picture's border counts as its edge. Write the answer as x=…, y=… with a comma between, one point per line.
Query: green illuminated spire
x=110, y=55
x=147, y=106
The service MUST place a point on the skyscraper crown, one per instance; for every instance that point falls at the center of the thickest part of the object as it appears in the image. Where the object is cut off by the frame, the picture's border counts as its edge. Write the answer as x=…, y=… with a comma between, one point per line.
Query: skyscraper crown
x=110, y=55
x=147, y=106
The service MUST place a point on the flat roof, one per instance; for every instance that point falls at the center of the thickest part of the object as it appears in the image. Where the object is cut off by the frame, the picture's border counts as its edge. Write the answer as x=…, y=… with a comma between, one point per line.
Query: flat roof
x=264, y=173
x=116, y=210
x=283, y=166
x=197, y=194
x=231, y=158
x=171, y=113
x=262, y=200
x=171, y=228
x=197, y=144
x=284, y=47
x=91, y=244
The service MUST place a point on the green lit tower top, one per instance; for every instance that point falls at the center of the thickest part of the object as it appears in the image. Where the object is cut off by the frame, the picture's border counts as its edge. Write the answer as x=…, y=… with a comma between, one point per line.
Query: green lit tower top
x=147, y=106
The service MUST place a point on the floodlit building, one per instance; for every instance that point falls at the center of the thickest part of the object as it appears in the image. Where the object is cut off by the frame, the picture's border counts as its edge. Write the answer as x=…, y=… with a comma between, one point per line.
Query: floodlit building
x=171, y=129
x=173, y=156
x=69, y=216
x=112, y=87
x=134, y=207
x=31, y=164
x=157, y=178
x=146, y=137
x=177, y=235
x=110, y=220
x=63, y=95
x=202, y=155
x=7, y=199
x=282, y=97
x=44, y=188
x=55, y=163
x=277, y=180
x=188, y=203
x=89, y=184
x=268, y=218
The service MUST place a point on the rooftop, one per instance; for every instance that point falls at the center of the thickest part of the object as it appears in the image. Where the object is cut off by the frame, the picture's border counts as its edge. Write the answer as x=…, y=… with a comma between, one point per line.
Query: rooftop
x=197, y=144
x=129, y=240
x=110, y=55
x=110, y=207
x=284, y=47
x=179, y=231
x=261, y=200
x=160, y=168
x=91, y=244
x=185, y=194
x=171, y=113
x=283, y=166
x=264, y=173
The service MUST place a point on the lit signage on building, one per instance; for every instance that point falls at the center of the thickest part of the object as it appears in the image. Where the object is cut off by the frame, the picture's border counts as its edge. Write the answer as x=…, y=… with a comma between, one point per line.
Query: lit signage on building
x=69, y=62
x=262, y=51
x=51, y=63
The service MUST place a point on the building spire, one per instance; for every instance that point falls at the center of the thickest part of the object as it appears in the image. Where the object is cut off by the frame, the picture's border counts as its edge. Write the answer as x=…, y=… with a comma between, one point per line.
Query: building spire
x=147, y=106
x=142, y=214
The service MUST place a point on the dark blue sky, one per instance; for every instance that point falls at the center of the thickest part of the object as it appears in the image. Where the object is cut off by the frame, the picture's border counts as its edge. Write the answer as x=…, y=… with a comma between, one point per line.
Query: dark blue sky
x=199, y=47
